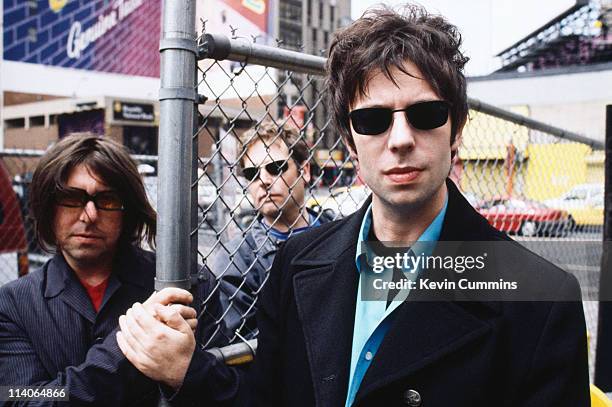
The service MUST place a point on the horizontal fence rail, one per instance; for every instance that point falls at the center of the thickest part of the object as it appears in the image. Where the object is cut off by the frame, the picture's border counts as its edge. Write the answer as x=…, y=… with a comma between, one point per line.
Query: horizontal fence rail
x=505, y=156
x=508, y=163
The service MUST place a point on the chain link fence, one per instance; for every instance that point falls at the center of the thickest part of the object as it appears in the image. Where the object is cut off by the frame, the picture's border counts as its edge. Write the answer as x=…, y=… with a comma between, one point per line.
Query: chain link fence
x=536, y=182
x=533, y=181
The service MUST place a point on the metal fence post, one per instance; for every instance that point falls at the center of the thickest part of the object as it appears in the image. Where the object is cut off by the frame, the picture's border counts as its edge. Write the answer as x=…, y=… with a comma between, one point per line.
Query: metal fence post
x=177, y=97
x=603, y=363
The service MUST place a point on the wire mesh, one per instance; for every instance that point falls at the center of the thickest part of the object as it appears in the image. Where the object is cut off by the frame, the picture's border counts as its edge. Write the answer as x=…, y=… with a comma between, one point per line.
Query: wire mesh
x=526, y=181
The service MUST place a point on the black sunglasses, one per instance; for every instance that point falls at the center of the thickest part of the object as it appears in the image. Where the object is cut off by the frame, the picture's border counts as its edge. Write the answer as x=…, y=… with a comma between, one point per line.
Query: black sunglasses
x=422, y=116
x=78, y=198
x=273, y=168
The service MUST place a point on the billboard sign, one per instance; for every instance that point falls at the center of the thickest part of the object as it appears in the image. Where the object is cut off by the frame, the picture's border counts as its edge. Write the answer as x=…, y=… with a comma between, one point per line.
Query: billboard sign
x=238, y=18
x=255, y=11
x=120, y=36
x=246, y=21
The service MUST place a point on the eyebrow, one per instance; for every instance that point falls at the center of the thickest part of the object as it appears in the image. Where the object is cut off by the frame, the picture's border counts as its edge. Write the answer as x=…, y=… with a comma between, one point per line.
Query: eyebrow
x=380, y=105
x=95, y=193
x=286, y=159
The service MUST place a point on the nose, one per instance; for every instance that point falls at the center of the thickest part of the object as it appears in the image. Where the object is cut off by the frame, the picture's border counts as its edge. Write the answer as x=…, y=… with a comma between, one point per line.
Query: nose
x=89, y=214
x=401, y=134
x=266, y=178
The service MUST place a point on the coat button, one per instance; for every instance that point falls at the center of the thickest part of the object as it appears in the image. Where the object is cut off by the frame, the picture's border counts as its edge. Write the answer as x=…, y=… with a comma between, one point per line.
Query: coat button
x=412, y=398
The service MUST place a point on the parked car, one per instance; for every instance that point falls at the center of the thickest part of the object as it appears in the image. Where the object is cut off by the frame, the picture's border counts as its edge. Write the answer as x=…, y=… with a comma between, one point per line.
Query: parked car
x=342, y=201
x=13, y=243
x=525, y=217
x=584, y=202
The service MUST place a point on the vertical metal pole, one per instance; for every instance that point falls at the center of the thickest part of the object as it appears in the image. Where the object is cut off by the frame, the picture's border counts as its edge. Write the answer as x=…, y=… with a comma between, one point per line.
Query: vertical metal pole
x=194, y=190
x=603, y=358
x=177, y=97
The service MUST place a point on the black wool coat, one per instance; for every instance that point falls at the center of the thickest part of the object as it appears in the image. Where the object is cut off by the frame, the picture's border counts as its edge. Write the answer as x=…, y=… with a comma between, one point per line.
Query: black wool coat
x=435, y=353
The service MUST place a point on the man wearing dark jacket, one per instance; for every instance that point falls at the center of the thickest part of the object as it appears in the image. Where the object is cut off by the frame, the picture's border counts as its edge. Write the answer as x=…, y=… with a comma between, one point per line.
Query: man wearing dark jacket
x=274, y=161
x=398, y=97
x=58, y=324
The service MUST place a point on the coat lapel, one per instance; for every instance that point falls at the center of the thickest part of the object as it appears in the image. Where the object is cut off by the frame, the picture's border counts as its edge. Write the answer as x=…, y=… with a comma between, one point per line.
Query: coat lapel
x=325, y=295
x=424, y=331
x=63, y=283
x=421, y=332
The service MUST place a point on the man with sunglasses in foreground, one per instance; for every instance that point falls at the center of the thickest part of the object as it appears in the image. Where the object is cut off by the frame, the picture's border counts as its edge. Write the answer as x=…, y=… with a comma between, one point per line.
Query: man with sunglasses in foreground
x=274, y=161
x=398, y=98
x=58, y=324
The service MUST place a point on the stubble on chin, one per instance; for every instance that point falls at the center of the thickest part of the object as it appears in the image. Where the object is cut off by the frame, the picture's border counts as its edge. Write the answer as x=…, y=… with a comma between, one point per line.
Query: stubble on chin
x=86, y=256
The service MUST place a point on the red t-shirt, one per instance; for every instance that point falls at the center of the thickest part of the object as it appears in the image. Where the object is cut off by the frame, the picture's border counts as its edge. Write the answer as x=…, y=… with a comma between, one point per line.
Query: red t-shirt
x=96, y=293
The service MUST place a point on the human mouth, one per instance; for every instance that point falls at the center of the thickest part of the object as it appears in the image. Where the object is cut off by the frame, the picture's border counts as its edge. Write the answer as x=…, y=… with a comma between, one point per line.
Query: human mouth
x=86, y=238
x=403, y=175
x=269, y=197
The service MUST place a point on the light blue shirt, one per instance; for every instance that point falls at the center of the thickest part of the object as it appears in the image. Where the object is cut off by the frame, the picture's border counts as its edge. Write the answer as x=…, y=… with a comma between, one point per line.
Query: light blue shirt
x=373, y=318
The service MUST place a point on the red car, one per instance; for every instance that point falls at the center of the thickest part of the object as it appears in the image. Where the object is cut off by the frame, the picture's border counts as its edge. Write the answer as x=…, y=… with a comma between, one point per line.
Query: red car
x=525, y=217
x=13, y=244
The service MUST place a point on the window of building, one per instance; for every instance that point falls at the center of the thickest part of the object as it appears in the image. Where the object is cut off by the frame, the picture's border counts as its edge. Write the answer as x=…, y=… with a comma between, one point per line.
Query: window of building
x=291, y=38
x=37, y=121
x=320, y=12
x=309, y=12
x=290, y=11
x=332, y=18
x=15, y=123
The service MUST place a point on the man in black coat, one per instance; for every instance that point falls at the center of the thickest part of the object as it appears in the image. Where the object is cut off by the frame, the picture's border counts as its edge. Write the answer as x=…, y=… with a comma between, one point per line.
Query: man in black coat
x=398, y=97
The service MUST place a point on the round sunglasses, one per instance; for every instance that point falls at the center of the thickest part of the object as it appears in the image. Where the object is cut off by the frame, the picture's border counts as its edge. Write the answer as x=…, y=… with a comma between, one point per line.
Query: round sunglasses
x=273, y=168
x=373, y=121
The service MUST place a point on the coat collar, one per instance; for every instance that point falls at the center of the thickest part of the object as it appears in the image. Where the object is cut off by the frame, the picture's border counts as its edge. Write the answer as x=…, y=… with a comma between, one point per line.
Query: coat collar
x=267, y=243
x=461, y=223
x=325, y=293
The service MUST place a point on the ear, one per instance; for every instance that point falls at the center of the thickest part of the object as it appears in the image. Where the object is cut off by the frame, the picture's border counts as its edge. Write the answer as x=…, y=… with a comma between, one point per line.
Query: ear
x=456, y=144
x=305, y=171
x=351, y=150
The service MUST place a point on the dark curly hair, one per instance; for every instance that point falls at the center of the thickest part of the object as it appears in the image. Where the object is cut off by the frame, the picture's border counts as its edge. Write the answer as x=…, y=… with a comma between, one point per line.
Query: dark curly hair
x=108, y=160
x=384, y=38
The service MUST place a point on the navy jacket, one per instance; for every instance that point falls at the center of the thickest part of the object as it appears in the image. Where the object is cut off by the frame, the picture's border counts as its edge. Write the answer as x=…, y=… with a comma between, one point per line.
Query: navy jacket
x=449, y=353
x=51, y=335
x=242, y=266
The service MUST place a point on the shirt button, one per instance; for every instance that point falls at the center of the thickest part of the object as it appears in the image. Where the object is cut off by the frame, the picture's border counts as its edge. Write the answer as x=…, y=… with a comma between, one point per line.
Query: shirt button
x=368, y=356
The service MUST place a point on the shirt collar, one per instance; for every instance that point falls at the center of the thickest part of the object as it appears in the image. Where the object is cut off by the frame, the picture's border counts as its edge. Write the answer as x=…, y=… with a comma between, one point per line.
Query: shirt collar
x=130, y=266
x=431, y=234
x=282, y=236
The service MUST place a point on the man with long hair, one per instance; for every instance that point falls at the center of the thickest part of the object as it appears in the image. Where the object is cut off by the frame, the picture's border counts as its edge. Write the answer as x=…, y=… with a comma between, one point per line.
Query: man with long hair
x=58, y=323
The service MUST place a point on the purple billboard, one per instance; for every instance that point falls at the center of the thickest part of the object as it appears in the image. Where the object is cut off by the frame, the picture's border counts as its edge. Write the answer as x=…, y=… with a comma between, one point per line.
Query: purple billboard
x=118, y=36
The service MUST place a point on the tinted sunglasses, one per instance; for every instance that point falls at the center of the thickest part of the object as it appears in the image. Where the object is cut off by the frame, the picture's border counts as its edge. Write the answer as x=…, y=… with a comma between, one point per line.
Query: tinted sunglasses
x=78, y=198
x=422, y=116
x=273, y=168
